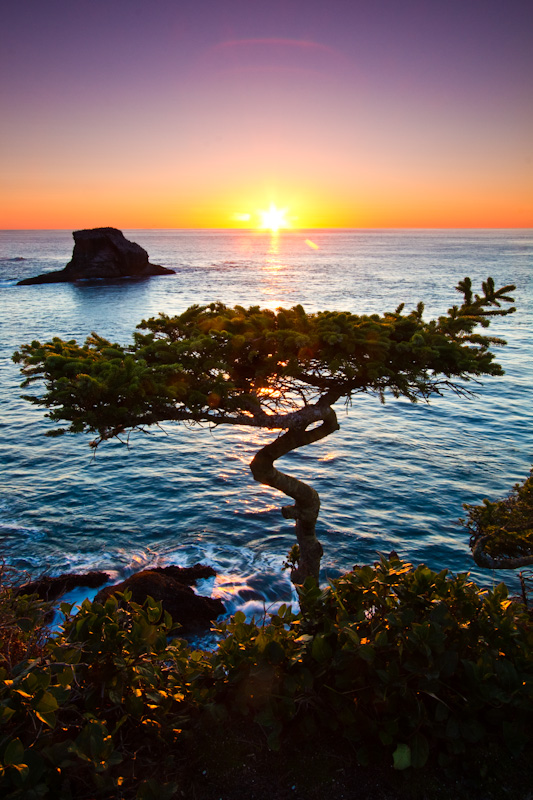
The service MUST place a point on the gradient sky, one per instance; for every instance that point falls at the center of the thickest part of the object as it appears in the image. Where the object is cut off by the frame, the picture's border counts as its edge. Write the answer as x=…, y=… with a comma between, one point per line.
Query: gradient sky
x=197, y=113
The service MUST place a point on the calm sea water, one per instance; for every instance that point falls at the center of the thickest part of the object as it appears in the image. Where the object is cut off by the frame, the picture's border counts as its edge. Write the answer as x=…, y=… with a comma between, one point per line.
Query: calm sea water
x=394, y=476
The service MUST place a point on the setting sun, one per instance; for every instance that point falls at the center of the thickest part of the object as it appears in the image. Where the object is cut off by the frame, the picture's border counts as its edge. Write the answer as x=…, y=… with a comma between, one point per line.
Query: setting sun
x=274, y=218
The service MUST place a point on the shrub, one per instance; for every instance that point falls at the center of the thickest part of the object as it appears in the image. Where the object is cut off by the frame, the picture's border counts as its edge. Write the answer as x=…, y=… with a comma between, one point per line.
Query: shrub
x=390, y=656
x=100, y=711
x=407, y=663
x=22, y=620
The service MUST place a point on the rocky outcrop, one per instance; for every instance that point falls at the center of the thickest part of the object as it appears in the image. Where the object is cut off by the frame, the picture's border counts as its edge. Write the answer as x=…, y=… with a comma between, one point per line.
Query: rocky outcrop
x=50, y=588
x=169, y=585
x=172, y=587
x=102, y=254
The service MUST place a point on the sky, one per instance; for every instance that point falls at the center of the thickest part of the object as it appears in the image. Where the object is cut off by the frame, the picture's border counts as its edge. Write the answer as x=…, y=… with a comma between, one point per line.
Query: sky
x=203, y=113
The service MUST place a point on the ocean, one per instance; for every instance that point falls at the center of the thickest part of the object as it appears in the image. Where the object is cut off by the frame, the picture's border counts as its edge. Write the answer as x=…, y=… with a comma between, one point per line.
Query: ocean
x=394, y=476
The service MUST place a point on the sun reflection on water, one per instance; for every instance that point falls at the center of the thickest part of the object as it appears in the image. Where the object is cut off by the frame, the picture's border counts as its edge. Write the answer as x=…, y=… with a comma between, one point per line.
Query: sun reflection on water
x=273, y=269
x=331, y=456
x=273, y=248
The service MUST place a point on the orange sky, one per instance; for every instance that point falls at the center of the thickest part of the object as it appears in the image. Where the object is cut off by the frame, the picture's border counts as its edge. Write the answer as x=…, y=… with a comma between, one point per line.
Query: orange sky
x=168, y=118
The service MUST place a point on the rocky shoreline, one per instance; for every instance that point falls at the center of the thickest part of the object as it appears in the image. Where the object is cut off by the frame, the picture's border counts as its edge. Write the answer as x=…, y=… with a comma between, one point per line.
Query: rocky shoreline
x=171, y=586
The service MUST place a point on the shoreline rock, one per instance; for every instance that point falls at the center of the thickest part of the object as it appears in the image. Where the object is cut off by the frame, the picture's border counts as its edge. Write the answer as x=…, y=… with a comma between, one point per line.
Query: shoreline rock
x=50, y=588
x=169, y=585
x=172, y=587
x=102, y=254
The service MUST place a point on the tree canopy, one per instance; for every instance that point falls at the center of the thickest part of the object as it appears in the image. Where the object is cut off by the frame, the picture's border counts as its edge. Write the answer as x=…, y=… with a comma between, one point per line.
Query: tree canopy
x=281, y=370
x=501, y=532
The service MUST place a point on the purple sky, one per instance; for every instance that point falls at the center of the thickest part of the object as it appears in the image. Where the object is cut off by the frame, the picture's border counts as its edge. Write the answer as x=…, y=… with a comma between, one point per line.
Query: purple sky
x=178, y=114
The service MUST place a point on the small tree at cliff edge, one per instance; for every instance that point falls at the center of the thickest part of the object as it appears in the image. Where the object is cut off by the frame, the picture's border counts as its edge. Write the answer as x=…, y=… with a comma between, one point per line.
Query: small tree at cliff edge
x=282, y=371
x=501, y=531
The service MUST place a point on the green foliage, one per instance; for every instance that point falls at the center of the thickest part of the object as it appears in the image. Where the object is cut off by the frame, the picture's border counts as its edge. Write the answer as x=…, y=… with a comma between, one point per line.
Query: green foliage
x=22, y=620
x=506, y=526
x=389, y=656
x=109, y=686
x=293, y=557
x=256, y=367
x=412, y=664
x=423, y=660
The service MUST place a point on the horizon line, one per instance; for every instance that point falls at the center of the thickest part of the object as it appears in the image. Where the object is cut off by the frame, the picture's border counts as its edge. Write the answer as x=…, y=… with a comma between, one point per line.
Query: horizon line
x=269, y=232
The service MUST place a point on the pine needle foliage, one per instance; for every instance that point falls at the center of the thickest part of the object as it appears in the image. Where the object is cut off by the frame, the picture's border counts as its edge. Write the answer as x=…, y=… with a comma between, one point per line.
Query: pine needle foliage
x=260, y=368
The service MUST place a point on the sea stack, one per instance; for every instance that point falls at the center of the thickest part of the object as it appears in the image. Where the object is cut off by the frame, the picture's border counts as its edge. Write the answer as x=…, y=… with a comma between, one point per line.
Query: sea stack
x=102, y=254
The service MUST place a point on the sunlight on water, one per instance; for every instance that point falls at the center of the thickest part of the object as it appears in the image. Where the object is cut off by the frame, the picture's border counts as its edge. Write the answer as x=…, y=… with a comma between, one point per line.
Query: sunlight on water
x=393, y=476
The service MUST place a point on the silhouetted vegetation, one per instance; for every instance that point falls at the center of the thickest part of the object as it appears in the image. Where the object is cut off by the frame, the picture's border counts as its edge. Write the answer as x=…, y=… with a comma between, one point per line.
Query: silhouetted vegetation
x=389, y=670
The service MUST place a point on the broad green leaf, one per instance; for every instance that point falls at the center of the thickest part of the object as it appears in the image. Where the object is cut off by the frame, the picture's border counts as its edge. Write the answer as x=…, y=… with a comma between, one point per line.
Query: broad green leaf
x=14, y=753
x=321, y=650
x=352, y=635
x=48, y=718
x=65, y=677
x=46, y=704
x=6, y=713
x=402, y=757
x=366, y=652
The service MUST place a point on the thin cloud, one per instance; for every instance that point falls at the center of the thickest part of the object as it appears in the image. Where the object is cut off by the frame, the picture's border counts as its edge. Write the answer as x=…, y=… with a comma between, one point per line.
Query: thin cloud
x=274, y=54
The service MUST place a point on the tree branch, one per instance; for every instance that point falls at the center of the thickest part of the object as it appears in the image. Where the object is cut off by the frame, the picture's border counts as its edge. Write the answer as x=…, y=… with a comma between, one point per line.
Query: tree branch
x=483, y=559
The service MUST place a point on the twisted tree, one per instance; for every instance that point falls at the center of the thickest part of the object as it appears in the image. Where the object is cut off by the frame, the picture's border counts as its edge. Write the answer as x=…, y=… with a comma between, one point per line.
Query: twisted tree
x=283, y=371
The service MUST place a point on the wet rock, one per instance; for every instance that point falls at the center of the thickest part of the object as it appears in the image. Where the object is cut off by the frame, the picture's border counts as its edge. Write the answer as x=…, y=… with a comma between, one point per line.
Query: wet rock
x=50, y=588
x=104, y=254
x=172, y=587
x=188, y=575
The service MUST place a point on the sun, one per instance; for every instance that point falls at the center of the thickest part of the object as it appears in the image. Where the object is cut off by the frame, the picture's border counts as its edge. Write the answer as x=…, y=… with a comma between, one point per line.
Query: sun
x=274, y=219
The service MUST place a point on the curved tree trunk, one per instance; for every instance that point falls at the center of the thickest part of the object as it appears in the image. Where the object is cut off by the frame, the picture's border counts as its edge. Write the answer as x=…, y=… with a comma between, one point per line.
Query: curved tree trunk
x=483, y=559
x=306, y=500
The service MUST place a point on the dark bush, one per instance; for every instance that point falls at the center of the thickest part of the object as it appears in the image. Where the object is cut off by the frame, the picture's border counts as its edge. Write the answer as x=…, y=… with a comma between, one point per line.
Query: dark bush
x=403, y=664
x=412, y=660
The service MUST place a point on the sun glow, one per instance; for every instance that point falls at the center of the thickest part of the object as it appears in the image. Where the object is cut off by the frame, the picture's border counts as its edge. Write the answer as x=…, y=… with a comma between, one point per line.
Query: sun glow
x=274, y=219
